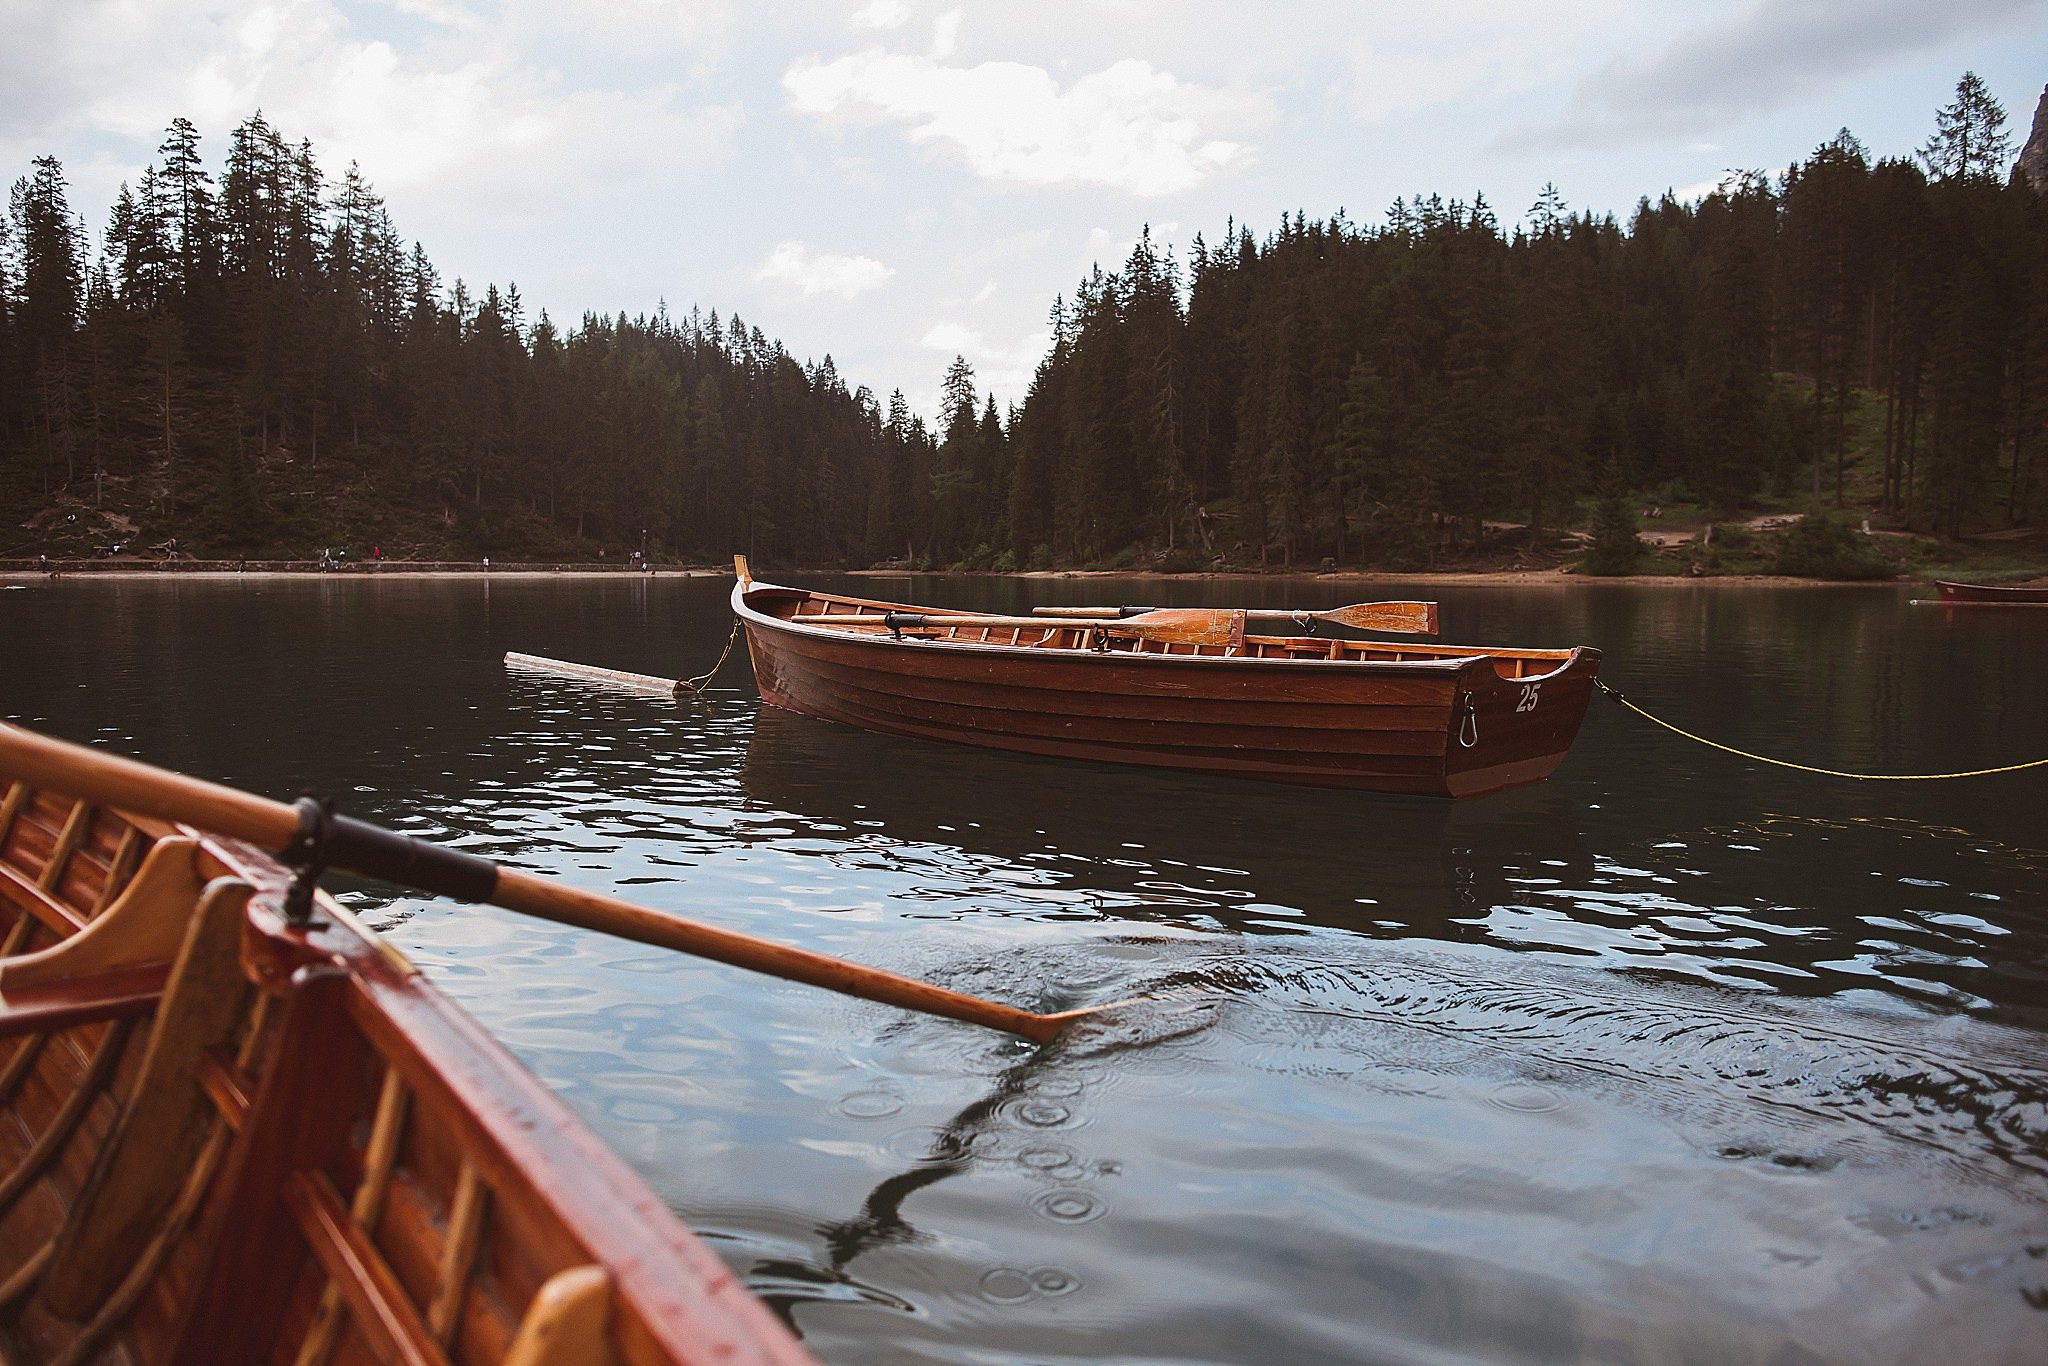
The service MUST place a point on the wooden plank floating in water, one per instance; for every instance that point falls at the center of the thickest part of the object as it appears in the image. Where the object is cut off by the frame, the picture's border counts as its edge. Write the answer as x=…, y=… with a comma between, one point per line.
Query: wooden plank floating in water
x=590, y=672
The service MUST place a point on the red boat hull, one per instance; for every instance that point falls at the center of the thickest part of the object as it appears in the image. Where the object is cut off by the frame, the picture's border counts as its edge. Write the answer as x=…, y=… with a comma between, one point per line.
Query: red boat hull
x=1446, y=726
x=1981, y=594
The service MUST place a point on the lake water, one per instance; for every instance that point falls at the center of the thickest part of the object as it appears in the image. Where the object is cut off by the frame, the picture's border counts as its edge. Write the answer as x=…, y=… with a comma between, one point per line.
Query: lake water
x=1672, y=1058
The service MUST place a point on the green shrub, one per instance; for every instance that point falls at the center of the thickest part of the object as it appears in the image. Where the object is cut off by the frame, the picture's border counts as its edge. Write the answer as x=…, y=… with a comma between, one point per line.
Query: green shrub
x=1616, y=549
x=1821, y=547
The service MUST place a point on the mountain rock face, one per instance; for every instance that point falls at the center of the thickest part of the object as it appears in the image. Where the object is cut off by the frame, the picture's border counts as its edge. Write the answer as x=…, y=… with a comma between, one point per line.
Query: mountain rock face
x=2034, y=156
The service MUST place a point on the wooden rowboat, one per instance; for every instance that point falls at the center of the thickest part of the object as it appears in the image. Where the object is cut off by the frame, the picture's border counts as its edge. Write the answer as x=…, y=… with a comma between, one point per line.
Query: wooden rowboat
x=1436, y=720
x=1984, y=594
x=225, y=1138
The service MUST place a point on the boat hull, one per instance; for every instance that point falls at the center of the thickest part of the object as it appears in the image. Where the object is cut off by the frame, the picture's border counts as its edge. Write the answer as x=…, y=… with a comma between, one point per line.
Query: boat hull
x=227, y=1137
x=1985, y=594
x=1447, y=727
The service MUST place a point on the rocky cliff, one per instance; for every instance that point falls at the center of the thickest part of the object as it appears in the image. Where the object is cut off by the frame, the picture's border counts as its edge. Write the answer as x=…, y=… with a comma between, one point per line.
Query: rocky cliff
x=2034, y=156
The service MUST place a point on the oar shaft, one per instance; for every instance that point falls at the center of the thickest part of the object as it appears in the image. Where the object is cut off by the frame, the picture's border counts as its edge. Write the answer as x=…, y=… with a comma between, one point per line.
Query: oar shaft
x=1173, y=626
x=910, y=621
x=593, y=911
x=95, y=775
x=78, y=771
x=1391, y=609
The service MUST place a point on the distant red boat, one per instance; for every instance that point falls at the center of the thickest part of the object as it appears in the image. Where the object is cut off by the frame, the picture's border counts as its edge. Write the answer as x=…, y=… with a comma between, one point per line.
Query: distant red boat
x=1377, y=715
x=1984, y=594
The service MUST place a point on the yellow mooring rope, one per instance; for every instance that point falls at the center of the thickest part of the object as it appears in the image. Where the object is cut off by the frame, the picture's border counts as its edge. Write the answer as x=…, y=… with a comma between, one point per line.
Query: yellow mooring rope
x=1615, y=693
x=694, y=687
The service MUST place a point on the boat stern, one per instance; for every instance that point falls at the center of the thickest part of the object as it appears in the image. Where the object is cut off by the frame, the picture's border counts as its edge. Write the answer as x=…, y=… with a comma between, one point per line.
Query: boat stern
x=1510, y=727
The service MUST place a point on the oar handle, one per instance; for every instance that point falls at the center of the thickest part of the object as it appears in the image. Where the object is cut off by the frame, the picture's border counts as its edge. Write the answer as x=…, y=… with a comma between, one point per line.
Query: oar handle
x=360, y=847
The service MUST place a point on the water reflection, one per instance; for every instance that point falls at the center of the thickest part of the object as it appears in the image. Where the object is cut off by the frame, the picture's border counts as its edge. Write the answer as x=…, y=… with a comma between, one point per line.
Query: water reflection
x=1208, y=852
x=1665, y=1057
x=1736, y=904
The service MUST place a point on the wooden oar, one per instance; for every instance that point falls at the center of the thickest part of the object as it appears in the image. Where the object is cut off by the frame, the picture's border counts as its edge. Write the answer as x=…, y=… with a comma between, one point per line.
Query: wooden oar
x=386, y=855
x=1403, y=618
x=1171, y=626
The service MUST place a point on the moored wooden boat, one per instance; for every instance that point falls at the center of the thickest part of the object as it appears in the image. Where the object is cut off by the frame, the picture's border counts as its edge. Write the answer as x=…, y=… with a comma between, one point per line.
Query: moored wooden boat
x=1984, y=594
x=1436, y=720
x=227, y=1138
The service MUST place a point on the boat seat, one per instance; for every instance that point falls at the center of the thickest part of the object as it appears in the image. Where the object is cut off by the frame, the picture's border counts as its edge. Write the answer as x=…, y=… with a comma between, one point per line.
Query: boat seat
x=120, y=993
x=72, y=1287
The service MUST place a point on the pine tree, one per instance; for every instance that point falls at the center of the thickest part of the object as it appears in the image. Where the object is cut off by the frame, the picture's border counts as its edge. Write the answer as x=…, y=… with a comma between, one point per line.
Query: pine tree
x=50, y=264
x=183, y=205
x=1969, y=136
x=1827, y=232
x=1615, y=548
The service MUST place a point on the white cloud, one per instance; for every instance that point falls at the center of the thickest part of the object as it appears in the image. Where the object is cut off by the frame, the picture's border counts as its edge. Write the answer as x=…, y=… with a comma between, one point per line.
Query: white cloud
x=881, y=14
x=496, y=129
x=1127, y=126
x=1700, y=189
x=810, y=273
x=1001, y=371
x=945, y=35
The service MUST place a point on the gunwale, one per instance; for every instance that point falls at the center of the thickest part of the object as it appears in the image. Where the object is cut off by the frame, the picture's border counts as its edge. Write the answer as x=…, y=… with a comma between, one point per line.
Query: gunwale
x=559, y=1199
x=1409, y=657
x=1955, y=593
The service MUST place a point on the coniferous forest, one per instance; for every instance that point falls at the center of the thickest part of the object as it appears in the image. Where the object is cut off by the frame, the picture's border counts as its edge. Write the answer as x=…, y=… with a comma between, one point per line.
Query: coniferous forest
x=256, y=364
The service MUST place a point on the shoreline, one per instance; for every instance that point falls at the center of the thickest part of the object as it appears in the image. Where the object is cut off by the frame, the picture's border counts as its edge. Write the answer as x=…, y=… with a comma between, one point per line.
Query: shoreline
x=79, y=572
x=1425, y=578
x=75, y=572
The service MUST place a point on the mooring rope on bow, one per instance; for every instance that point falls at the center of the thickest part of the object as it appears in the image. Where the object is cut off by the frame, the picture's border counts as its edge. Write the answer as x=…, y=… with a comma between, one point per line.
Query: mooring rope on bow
x=694, y=687
x=1616, y=694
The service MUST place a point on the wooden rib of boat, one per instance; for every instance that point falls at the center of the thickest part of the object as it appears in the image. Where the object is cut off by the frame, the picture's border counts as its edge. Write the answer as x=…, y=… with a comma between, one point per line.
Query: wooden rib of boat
x=1985, y=594
x=226, y=1139
x=1435, y=720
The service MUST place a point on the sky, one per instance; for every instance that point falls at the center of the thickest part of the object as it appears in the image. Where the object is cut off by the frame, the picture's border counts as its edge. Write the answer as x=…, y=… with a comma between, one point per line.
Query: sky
x=893, y=182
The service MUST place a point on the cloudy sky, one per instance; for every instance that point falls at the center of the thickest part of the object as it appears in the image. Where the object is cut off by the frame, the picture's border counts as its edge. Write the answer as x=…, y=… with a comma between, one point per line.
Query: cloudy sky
x=895, y=181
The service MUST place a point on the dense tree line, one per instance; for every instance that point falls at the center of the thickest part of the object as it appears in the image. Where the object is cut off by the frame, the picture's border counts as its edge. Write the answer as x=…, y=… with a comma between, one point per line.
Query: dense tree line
x=261, y=364
x=1377, y=392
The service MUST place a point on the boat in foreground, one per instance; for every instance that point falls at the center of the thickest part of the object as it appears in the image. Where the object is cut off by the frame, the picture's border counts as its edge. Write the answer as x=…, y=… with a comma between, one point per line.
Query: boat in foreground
x=1987, y=594
x=1375, y=715
x=225, y=1137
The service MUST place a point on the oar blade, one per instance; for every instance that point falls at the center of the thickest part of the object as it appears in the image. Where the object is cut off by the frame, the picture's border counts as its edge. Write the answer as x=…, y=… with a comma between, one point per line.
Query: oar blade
x=1403, y=618
x=1184, y=626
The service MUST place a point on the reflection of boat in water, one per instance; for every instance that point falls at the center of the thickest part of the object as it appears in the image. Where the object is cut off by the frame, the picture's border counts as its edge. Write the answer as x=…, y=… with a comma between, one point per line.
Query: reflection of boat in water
x=1151, y=843
x=1376, y=715
x=1990, y=594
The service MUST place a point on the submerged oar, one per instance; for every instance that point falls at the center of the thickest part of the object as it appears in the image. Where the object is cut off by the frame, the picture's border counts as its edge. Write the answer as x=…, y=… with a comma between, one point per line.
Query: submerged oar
x=372, y=851
x=1403, y=618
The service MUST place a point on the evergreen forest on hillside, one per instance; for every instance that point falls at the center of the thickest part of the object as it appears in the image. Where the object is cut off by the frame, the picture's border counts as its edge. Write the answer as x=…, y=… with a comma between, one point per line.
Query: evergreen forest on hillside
x=256, y=364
